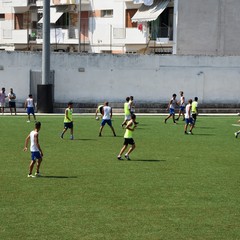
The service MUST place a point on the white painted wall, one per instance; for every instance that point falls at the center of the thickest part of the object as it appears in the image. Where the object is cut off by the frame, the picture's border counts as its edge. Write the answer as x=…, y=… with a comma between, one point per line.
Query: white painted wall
x=150, y=78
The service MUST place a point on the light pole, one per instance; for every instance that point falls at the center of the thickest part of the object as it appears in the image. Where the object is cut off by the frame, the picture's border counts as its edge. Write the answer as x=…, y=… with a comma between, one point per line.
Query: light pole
x=44, y=90
x=46, y=42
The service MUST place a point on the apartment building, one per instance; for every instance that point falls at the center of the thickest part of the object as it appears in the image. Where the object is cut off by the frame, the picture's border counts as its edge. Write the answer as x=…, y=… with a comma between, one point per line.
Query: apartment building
x=124, y=26
x=113, y=26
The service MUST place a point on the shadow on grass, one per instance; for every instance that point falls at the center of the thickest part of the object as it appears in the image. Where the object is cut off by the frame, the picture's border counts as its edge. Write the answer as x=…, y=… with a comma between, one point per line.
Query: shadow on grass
x=58, y=177
x=148, y=160
x=203, y=134
x=205, y=127
x=84, y=139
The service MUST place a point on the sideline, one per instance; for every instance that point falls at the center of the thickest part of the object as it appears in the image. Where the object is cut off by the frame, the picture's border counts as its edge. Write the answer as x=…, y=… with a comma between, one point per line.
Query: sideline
x=120, y=114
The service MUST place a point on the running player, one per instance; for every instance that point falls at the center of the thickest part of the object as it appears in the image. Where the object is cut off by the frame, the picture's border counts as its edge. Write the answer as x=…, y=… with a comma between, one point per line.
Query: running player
x=171, y=107
x=68, y=120
x=128, y=139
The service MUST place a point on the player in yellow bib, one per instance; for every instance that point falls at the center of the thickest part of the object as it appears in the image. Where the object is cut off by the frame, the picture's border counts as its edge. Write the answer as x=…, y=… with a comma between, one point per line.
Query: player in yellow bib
x=128, y=138
x=195, y=110
x=68, y=120
x=127, y=112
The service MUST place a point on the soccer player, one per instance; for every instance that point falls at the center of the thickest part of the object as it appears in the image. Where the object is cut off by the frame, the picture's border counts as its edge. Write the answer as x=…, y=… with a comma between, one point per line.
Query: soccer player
x=99, y=110
x=30, y=105
x=127, y=112
x=181, y=104
x=36, y=151
x=188, y=117
x=238, y=132
x=68, y=120
x=128, y=138
x=107, y=116
x=171, y=107
x=131, y=104
x=195, y=110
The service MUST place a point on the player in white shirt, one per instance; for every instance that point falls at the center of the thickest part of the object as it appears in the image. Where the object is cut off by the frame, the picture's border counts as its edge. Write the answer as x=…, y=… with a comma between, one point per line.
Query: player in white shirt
x=12, y=101
x=107, y=116
x=30, y=105
x=188, y=117
x=181, y=104
x=36, y=151
x=171, y=107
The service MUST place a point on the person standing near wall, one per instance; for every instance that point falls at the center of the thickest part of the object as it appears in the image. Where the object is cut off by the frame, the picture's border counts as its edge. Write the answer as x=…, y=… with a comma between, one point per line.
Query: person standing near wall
x=2, y=100
x=12, y=101
x=30, y=106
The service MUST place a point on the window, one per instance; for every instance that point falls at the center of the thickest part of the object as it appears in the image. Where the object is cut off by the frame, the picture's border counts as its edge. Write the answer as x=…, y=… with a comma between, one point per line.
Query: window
x=18, y=21
x=129, y=14
x=107, y=13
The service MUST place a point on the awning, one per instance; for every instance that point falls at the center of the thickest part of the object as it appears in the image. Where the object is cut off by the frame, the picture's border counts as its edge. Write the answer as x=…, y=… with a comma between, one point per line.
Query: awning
x=150, y=13
x=54, y=15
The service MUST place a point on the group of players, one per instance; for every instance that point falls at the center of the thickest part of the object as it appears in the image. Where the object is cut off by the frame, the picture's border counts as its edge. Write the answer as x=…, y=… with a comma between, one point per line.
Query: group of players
x=106, y=114
x=189, y=111
x=129, y=124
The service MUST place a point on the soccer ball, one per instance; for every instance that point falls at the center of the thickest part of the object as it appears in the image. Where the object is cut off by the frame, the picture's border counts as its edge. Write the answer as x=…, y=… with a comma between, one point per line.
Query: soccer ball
x=97, y=118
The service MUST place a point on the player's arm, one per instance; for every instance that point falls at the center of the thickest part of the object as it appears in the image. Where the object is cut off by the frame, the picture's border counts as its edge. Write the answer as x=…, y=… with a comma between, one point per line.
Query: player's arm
x=37, y=143
x=129, y=126
x=26, y=143
x=25, y=104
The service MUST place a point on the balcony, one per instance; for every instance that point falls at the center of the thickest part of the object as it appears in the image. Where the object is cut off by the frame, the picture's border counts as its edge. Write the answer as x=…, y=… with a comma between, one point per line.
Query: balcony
x=19, y=3
x=62, y=35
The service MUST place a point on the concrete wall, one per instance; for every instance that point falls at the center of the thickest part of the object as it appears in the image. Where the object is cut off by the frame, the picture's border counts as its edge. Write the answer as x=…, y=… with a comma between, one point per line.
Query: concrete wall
x=208, y=27
x=150, y=78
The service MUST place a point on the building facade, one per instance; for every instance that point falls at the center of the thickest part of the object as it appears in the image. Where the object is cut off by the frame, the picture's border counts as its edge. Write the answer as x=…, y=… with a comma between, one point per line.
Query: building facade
x=124, y=26
x=104, y=26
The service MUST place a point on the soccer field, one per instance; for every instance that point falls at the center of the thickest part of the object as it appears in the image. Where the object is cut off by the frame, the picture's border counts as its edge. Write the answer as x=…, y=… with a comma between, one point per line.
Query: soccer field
x=176, y=186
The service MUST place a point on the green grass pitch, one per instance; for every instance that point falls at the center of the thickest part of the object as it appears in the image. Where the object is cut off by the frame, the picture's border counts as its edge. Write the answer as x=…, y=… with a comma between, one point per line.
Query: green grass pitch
x=175, y=187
